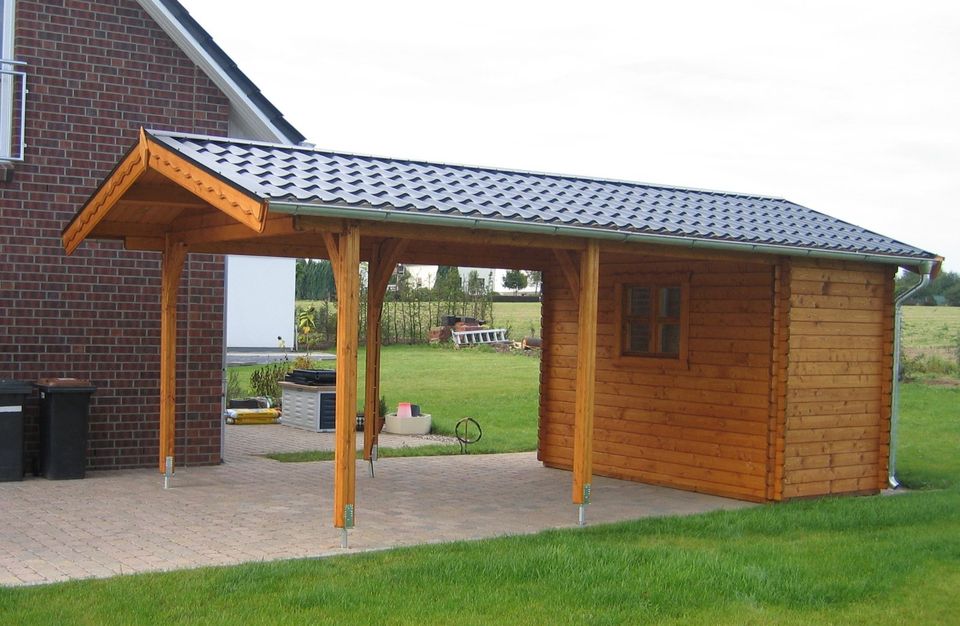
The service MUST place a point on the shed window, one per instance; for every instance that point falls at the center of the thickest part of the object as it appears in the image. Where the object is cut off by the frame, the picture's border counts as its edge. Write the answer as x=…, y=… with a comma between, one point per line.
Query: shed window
x=652, y=320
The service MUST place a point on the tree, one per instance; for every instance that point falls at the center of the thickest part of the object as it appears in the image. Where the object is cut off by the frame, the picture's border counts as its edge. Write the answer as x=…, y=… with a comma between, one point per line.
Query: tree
x=536, y=278
x=448, y=281
x=943, y=290
x=314, y=280
x=515, y=279
x=475, y=284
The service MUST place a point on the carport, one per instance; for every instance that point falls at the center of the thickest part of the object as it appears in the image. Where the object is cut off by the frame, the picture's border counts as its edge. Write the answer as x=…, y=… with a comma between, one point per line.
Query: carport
x=160, y=199
x=731, y=361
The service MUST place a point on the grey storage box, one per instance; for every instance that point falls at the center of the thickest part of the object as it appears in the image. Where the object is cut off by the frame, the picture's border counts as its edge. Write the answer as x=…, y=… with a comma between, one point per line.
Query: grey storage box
x=309, y=407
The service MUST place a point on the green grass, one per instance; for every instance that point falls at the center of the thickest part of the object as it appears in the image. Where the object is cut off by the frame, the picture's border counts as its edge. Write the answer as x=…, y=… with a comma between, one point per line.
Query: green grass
x=519, y=317
x=872, y=560
x=499, y=390
x=437, y=449
x=929, y=448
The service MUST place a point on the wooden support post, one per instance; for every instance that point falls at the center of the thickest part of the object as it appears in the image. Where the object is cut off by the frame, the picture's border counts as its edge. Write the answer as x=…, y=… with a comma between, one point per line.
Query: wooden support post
x=174, y=256
x=586, y=374
x=347, y=275
x=380, y=268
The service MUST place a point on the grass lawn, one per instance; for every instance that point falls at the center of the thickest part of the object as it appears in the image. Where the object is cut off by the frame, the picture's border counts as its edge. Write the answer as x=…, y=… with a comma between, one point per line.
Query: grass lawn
x=500, y=391
x=519, y=317
x=873, y=560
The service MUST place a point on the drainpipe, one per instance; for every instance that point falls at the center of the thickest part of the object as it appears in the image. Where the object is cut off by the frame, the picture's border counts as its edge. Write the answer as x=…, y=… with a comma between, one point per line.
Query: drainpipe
x=926, y=268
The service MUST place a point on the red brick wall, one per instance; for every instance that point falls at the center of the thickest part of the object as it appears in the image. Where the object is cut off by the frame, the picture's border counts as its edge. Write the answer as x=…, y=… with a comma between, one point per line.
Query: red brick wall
x=97, y=72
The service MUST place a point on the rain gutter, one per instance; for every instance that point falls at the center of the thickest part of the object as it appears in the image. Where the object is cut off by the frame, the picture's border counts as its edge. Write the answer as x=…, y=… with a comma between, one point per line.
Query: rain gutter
x=926, y=269
x=458, y=221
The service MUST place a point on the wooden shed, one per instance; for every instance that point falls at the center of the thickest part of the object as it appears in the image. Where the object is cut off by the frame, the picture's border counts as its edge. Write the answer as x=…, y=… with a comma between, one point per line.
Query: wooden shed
x=725, y=343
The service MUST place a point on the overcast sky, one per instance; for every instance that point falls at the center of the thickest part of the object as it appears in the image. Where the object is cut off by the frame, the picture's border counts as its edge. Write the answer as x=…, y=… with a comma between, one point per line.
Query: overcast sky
x=850, y=108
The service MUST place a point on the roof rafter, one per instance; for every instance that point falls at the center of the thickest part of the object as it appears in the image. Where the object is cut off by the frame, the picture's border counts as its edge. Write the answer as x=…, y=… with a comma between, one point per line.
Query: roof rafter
x=247, y=211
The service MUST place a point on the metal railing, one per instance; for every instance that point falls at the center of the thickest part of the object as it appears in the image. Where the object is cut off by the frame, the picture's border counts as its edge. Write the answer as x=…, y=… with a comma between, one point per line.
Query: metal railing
x=13, y=112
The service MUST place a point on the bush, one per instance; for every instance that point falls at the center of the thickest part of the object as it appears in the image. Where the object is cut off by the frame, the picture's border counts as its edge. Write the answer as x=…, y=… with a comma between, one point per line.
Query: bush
x=265, y=381
x=234, y=389
x=926, y=365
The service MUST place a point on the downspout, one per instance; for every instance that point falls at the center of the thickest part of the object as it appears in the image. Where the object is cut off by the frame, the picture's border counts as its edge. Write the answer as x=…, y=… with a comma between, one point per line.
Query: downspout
x=926, y=268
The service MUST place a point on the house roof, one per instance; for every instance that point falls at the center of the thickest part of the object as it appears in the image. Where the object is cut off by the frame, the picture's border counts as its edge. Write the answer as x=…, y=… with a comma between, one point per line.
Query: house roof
x=310, y=181
x=258, y=113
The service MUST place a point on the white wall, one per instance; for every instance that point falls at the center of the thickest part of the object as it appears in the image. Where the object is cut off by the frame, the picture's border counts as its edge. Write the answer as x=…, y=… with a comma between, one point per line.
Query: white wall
x=261, y=295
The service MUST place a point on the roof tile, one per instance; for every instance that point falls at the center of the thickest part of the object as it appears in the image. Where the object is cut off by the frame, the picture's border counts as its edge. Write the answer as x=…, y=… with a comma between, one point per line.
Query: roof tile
x=303, y=175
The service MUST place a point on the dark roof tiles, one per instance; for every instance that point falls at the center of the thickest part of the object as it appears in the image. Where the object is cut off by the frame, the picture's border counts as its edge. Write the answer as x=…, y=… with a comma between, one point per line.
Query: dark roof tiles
x=301, y=175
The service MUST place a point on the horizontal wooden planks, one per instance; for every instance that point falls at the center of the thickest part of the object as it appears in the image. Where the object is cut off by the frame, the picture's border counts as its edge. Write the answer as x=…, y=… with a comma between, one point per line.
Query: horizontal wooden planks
x=835, y=414
x=703, y=427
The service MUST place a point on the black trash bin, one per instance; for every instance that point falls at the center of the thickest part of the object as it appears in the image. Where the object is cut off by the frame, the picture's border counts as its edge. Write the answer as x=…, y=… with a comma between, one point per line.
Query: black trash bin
x=12, y=395
x=64, y=412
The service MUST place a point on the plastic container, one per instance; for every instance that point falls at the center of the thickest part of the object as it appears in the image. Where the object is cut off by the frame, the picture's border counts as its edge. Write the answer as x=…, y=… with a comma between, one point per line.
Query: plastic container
x=404, y=410
x=13, y=393
x=64, y=414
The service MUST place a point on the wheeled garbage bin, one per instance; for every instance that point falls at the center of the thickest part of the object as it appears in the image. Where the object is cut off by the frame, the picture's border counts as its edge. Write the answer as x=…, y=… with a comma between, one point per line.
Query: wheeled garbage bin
x=12, y=395
x=64, y=413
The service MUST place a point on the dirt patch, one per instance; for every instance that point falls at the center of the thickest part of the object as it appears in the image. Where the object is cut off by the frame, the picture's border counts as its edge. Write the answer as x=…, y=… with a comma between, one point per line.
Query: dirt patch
x=943, y=382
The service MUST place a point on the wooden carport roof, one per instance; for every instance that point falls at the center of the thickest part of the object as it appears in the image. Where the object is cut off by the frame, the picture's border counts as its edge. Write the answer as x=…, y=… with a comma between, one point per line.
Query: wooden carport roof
x=176, y=193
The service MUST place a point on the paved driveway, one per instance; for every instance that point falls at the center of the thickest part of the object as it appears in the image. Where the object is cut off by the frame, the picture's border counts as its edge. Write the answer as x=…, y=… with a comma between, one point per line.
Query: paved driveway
x=252, y=508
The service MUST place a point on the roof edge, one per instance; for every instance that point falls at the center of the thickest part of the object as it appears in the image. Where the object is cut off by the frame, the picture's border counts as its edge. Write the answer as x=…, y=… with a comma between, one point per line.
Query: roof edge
x=248, y=102
x=923, y=264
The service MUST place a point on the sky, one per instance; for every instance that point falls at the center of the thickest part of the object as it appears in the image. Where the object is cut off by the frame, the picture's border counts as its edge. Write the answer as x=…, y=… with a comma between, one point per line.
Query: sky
x=850, y=108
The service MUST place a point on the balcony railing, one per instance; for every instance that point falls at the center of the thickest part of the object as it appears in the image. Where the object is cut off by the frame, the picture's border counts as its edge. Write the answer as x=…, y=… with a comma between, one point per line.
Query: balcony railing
x=13, y=108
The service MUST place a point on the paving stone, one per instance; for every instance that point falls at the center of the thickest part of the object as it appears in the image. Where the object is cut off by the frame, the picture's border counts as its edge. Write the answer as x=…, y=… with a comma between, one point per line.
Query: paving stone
x=255, y=509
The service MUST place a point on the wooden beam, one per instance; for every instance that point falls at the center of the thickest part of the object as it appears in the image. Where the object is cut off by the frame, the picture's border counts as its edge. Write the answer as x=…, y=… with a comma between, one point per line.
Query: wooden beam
x=568, y=267
x=277, y=226
x=240, y=204
x=586, y=373
x=380, y=267
x=174, y=257
x=779, y=377
x=333, y=248
x=456, y=234
x=347, y=275
x=99, y=205
x=465, y=235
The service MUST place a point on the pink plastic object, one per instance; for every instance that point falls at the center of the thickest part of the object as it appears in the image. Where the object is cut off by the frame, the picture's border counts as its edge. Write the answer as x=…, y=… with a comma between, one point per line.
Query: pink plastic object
x=403, y=410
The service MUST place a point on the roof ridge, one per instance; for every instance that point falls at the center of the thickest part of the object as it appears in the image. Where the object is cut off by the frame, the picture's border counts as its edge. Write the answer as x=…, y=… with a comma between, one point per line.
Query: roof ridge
x=483, y=168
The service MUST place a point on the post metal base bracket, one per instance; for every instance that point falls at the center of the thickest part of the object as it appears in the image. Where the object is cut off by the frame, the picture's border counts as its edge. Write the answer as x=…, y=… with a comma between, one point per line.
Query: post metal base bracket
x=168, y=472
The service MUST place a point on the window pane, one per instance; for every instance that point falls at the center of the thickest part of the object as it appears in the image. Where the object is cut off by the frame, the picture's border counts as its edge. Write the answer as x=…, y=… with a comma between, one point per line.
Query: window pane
x=638, y=337
x=670, y=339
x=638, y=302
x=670, y=302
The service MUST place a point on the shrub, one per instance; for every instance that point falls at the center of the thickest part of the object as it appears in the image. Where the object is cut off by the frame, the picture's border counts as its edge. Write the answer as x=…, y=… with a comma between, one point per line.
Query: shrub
x=265, y=380
x=234, y=388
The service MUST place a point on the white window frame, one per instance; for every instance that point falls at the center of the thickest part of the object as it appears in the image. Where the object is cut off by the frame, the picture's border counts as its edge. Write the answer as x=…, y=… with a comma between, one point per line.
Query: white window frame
x=7, y=80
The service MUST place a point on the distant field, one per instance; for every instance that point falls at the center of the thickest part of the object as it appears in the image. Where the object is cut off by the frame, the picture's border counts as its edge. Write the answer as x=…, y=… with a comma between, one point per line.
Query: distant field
x=931, y=326
x=519, y=317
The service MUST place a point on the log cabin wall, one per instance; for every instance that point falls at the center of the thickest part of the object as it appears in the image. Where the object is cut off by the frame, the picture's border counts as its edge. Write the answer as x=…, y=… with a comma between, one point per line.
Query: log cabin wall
x=703, y=427
x=837, y=419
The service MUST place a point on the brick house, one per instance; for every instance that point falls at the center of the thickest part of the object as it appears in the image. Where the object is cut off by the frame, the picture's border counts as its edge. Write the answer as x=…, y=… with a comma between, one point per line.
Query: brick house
x=96, y=72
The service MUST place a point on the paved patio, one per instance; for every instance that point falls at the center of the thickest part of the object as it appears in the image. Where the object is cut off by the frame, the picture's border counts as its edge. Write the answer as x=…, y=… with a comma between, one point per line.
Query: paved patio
x=252, y=509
